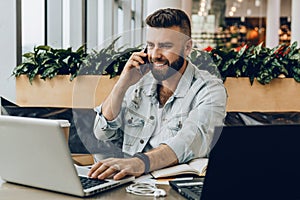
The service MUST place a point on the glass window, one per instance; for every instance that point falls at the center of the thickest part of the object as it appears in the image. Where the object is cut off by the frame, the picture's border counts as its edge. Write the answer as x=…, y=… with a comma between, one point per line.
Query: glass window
x=120, y=20
x=66, y=23
x=33, y=24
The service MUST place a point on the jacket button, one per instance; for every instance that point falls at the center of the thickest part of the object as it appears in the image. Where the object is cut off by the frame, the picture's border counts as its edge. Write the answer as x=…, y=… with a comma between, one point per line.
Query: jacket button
x=152, y=117
x=142, y=141
x=179, y=124
x=129, y=121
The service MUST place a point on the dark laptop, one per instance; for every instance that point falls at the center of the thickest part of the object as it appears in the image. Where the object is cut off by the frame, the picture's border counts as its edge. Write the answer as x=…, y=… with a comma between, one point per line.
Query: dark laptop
x=250, y=162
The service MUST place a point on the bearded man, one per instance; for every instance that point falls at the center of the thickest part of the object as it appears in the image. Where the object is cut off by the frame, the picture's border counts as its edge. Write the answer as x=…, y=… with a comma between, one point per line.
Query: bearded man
x=163, y=108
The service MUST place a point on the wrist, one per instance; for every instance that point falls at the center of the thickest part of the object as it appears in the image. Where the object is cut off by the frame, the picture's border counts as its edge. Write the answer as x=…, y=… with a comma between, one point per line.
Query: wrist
x=145, y=159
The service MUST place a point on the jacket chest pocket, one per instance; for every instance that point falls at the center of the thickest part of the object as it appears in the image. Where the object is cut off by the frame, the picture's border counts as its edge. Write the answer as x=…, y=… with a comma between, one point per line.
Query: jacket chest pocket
x=133, y=121
x=133, y=127
x=175, y=124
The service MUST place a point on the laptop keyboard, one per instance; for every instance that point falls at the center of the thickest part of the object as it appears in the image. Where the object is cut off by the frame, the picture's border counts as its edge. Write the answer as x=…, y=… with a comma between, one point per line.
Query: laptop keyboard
x=195, y=189
x=190, y=189
x=90, y=182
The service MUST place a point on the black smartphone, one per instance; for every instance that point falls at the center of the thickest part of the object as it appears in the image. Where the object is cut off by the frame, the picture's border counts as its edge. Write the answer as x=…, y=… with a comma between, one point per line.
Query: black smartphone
x=144, y=67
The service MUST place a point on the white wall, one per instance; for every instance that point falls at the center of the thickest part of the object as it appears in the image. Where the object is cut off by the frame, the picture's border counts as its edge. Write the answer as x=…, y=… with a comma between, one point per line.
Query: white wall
x=273, y=23
x=7, y=48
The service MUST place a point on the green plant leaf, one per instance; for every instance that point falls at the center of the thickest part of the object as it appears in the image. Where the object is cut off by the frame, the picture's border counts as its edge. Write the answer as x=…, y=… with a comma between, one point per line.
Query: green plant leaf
x=295, y=57
x=297, y=78
x=43, y=47
x=28, y=55
x=258, y=49
x=258, y=62
x=241, y=52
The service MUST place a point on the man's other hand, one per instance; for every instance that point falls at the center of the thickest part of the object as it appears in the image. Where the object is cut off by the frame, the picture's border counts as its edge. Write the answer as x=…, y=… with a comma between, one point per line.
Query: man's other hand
x=117, y=168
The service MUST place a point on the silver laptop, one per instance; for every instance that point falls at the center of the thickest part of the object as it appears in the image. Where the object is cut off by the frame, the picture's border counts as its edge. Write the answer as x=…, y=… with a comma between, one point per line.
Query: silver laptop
x=34, y=152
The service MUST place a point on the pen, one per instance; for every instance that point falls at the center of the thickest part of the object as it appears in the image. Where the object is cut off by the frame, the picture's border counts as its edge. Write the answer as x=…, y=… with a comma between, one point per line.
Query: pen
x=165, y=181
x=161, y=180
x=183, y=179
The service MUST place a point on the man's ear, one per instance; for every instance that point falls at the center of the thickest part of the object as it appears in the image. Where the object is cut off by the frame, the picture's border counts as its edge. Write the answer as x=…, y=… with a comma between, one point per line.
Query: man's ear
x=188, y=47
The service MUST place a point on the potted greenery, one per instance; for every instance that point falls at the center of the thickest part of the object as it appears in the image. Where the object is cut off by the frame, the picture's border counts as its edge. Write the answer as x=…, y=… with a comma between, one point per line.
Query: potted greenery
x=66, y=78
x=47, y=62
x=255, y=62
x=250, y=72
x=253, y=76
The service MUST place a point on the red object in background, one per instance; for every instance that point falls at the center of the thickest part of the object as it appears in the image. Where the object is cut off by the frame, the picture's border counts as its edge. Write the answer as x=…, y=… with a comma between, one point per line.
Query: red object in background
x=208, y=49
x=237, y=49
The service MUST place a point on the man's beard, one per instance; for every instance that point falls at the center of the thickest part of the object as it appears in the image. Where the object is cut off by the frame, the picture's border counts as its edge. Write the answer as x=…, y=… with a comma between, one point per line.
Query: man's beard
x=173, y=68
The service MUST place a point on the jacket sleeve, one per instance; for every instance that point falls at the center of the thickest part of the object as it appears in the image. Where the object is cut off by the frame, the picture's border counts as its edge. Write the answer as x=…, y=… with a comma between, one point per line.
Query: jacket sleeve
x=106, y=130
x=110, y=130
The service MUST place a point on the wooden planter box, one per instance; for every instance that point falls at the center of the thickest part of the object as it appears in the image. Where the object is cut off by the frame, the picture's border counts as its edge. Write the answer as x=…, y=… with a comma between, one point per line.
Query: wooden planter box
x=281, y=95
x=83, y=92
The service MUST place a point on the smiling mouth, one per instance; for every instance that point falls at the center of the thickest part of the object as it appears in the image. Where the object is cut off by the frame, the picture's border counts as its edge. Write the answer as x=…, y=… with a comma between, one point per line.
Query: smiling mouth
x=160, y=64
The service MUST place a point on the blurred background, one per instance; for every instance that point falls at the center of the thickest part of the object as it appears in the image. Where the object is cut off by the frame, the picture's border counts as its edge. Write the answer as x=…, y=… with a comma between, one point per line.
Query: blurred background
x=94, y=23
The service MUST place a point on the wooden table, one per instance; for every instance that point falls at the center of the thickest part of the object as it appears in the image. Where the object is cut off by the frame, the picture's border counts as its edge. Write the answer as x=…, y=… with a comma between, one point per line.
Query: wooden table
x=18, y=192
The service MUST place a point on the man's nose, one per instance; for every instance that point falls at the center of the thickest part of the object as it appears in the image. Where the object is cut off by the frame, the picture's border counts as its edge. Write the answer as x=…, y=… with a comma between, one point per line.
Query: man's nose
x=156, y=53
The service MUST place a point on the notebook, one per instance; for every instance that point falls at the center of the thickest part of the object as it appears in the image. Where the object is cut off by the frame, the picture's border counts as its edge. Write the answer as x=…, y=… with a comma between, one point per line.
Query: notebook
x=250, y=162
x=34, y=152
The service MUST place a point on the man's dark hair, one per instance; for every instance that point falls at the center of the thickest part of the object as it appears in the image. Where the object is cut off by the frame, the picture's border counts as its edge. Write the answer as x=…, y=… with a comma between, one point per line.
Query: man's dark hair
x=168, y=17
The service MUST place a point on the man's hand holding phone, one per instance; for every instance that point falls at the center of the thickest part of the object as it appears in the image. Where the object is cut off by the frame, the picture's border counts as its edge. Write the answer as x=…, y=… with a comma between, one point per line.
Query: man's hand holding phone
x=135, y=68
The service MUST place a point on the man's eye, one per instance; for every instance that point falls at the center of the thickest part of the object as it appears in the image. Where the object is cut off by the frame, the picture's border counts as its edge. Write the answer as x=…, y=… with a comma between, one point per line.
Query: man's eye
x=166, y=46
x=150, y=46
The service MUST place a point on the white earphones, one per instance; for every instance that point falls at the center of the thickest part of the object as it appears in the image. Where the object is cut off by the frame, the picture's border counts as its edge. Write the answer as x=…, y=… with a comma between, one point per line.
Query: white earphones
x=159, y=193
x=145, y=189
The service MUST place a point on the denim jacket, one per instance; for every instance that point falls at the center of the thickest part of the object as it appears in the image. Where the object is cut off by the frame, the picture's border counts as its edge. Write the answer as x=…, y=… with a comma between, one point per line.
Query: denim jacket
x=188, y=117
